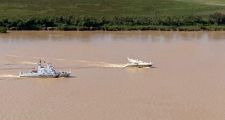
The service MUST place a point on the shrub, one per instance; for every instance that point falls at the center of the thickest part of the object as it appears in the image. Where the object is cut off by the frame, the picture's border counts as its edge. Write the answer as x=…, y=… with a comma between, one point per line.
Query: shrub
x=3, y=30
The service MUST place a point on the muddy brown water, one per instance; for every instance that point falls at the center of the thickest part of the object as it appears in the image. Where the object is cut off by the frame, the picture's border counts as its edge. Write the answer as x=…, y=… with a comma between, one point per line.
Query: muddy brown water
x=188, y=82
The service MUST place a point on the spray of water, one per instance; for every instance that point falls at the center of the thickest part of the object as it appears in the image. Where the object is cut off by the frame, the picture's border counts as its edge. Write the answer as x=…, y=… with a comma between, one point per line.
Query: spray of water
x=59, y=59
x=13, y=56
x=105, y=65
x=8, y=76
x=28, y=63
x=115, y=65
x=85, y=62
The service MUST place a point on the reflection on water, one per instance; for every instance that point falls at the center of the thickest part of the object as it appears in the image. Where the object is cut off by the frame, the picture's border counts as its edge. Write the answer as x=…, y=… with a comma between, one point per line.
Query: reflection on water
x=186, y=84
x=143, y=36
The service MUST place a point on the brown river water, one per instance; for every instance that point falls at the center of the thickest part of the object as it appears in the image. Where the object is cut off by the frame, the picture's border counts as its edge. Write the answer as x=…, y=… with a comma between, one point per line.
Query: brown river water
x=187, y=83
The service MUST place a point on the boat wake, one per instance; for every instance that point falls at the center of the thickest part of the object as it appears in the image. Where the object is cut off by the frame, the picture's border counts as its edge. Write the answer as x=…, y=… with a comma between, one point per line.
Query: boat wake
x=12, y=56
x=28, y=63
x=132, y=63
x=59, y=59
x=8, y=76
x=135, y=63
x=109, y=65
x=115, y=65
x=106, y=65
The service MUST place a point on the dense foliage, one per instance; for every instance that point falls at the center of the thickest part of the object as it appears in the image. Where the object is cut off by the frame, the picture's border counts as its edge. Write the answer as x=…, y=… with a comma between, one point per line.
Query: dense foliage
x=3, y=30
x=215, y=21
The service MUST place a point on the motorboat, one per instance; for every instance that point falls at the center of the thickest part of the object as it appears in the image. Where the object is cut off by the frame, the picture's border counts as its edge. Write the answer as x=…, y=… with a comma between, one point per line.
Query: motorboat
x=138, y=63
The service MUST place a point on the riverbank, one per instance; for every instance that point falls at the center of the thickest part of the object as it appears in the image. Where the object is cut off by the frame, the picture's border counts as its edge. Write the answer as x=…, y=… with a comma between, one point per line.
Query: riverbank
x=212, y=22
x=128, y=28
x=113, y=15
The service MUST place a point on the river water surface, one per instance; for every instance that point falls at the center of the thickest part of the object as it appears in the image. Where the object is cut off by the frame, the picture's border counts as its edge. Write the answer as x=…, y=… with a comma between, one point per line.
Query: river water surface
x=187, y=83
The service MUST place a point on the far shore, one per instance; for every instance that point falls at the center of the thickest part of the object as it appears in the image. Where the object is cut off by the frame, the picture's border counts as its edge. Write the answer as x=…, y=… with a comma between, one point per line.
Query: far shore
x=183, y=29
x=212, y=22
x=101, y=31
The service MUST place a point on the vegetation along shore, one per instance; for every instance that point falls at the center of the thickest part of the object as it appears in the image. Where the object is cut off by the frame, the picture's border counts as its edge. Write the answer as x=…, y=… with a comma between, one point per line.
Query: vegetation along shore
x=112, y=15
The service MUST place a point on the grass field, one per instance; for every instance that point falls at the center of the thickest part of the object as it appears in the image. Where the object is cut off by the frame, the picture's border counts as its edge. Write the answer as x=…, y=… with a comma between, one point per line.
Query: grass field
x=108, y=8
x=112, y=14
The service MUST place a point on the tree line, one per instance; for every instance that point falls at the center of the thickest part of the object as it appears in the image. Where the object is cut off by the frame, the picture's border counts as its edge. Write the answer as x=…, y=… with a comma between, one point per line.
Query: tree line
x=214, y=21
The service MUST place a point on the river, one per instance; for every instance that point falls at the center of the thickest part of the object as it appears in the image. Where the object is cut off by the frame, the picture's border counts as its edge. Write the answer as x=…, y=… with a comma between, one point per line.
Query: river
x=186, y=83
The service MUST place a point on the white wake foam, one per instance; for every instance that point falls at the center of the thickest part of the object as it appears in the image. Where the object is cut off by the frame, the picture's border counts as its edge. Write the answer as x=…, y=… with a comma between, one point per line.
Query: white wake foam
x=59, y=59
x=106, y=65
x=28, y=63
x=14, y=56
x=109, y=65
x=8, y=76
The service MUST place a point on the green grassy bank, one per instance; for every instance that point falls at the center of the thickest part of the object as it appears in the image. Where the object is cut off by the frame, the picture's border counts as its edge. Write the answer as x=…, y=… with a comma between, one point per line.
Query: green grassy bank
x=112, y=14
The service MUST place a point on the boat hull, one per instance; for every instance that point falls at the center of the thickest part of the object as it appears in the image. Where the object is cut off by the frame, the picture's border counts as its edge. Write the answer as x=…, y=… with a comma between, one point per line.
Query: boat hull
x=39, y=76
x=138, y=66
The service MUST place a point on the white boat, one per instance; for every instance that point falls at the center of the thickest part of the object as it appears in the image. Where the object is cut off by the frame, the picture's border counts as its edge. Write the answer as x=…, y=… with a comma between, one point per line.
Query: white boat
x=47, y=71
x=138, y=63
